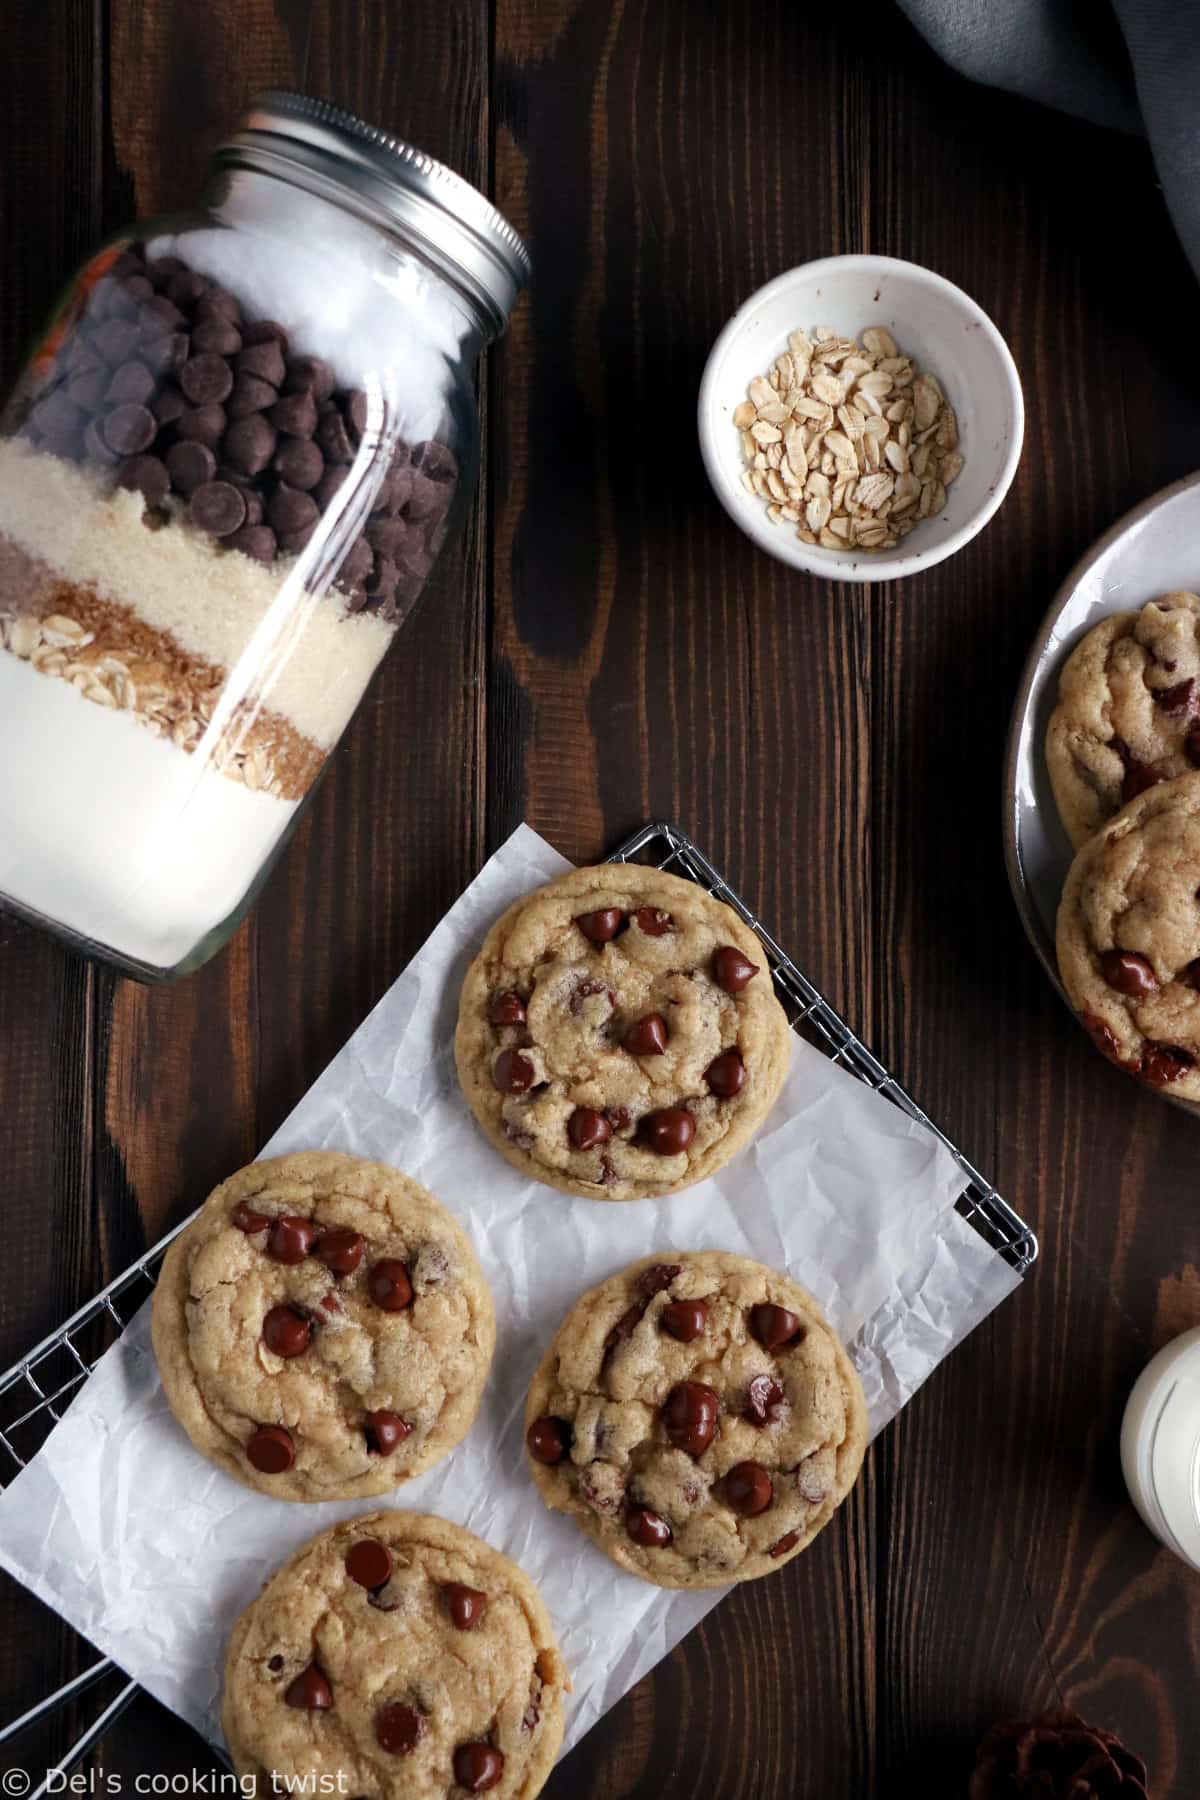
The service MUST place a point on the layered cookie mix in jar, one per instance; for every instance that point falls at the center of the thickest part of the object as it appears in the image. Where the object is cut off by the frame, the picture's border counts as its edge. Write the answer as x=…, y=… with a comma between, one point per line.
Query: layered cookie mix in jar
x=225, y=476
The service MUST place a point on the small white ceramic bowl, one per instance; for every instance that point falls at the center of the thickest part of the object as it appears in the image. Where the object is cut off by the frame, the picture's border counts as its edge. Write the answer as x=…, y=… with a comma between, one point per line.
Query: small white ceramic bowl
x=932, y=321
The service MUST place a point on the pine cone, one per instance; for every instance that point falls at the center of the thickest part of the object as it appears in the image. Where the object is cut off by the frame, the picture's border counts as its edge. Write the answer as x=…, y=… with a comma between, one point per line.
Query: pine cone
x=1055, y=1757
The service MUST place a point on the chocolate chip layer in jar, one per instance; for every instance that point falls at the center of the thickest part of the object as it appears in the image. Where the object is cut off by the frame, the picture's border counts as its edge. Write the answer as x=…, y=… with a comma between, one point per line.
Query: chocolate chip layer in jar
x=225, y=477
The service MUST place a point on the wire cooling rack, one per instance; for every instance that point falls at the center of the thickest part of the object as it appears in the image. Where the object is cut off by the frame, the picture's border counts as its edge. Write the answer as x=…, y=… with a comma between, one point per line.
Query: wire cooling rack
x=37, y=1390
x=666, y=847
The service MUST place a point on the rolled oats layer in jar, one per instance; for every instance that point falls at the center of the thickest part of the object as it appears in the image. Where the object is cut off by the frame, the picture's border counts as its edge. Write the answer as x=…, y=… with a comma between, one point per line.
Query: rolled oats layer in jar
x=226, y=475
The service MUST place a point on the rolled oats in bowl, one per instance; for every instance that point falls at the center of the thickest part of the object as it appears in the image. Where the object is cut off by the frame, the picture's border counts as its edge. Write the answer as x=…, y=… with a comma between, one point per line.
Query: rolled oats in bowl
x=848, y=440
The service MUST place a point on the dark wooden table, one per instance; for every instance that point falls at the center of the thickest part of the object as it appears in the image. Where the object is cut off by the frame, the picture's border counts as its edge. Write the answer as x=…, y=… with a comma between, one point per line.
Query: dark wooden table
x=604, y=647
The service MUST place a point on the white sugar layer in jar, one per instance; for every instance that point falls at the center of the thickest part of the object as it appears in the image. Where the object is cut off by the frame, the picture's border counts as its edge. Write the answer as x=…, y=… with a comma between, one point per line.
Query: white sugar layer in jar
x=117, y=834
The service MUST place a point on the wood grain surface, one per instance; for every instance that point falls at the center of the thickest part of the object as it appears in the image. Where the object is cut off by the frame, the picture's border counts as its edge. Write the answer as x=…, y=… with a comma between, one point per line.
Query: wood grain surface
x=603, y=647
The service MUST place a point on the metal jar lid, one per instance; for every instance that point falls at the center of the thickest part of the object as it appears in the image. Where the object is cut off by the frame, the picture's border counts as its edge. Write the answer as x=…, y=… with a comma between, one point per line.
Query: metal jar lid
x=388, y=182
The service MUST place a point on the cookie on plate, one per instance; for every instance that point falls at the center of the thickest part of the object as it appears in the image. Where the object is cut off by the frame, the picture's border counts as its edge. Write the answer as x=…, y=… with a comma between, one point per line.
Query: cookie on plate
x=399, y=1656
x=322, y=1328
x=1128, y=937
x=618, y=1034
x=1128, y=712
x=697, y=1418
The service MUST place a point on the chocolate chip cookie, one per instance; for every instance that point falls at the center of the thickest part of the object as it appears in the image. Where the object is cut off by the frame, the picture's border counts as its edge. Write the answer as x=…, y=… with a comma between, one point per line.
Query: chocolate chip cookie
x=322, y=1328
x=697, y=1418
x=1128, y=937
x=618, y=1035
x=397, y=1656
x=1128, y=712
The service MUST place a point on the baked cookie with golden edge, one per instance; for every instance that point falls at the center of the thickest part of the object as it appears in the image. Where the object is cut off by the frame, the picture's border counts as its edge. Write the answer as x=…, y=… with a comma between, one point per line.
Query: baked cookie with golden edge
x=1128, y=712
x=618, y=1035
x=322, y=1328
x=697, y=1418
x=398, y=1656
x=1128, y=937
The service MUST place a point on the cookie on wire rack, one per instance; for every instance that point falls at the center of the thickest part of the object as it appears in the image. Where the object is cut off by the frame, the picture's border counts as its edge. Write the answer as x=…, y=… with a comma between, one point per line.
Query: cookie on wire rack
x=395, y=1655
x=322, y=1328
x=698, y=1419
x=618, y=1034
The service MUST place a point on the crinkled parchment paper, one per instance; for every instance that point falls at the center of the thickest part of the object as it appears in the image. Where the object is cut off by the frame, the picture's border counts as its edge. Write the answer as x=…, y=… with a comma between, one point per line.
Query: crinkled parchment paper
x=125, y=1530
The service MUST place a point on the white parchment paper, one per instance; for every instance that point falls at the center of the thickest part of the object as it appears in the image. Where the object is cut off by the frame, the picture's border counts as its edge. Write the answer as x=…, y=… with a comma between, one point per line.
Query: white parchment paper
x=150, y=1552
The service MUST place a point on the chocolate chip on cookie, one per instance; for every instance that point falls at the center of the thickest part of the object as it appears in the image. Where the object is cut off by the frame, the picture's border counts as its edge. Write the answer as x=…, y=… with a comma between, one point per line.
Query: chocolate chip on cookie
x=310, y=1692
x=656, y=1277
x=389, y=1286
x=506, y=1009
x=689, y=1416
x=1128, y=973
x=765, y=1399
x=286, y=1332
x=748, y=1489
x=513, y=1072
x=399, y=1728
x=548, y=1440
x=386, y=1431
x=271, y=1449
x=669, y=1132
x=478, y=1767
x=1178, y=700
x=684, y=1319
x=291, y=1239
x=774, y=1326
x=465, y=1605
x=601, y=927
x=1163, y=1064
x=247, y=1220
x=653, y=921
x=369, y=1563
x=732, y=969
x=725, y=1076
x=341, y=1250
x=647, y=1037
x=586, y=1128
x=649, y=1529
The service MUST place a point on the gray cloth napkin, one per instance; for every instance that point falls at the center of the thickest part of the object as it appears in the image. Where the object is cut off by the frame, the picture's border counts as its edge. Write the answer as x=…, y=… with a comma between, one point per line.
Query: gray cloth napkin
x=1133, y=64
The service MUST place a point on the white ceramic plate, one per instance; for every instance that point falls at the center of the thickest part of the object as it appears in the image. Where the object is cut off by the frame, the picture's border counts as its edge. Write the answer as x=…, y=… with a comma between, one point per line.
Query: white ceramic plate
x=1152, y=550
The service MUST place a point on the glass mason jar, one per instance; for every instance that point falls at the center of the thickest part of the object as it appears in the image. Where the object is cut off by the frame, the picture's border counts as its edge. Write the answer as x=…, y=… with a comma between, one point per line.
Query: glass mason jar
x=225, y=474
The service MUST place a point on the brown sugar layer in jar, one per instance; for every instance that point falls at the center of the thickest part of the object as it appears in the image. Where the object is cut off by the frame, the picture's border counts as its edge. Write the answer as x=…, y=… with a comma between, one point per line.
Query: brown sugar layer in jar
x=299, y=651
x=160, y=379
x=114, y=659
